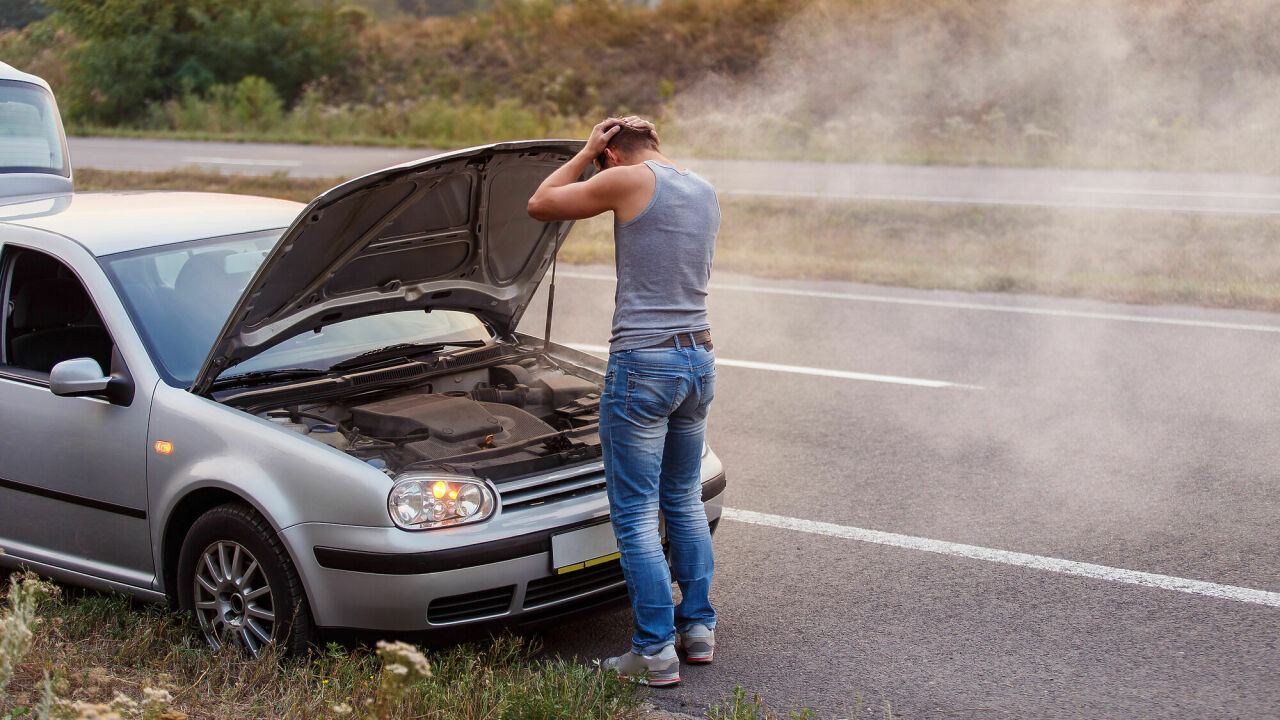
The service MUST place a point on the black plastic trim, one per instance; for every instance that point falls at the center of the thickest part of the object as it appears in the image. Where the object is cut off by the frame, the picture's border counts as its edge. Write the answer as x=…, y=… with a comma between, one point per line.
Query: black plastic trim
x=442, y=560
x=74, y=499
x=713, y=487
x=26, y=377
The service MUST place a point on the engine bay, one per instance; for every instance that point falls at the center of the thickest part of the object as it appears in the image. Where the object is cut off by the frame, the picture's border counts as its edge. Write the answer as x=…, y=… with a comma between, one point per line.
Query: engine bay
x=523, y=415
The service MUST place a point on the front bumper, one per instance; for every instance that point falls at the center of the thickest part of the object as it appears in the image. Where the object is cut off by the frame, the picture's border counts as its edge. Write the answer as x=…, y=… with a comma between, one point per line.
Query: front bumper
x=381, y=578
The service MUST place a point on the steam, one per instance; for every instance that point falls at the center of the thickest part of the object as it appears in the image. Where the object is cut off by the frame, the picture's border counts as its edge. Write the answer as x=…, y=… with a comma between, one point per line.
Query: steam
x=1142, y=84
x=1059, y=82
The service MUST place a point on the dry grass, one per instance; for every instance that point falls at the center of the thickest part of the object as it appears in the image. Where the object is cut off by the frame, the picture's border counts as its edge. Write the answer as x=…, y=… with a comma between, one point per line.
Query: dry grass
x=1124, y=256
x=278, y=186
x=94, y=646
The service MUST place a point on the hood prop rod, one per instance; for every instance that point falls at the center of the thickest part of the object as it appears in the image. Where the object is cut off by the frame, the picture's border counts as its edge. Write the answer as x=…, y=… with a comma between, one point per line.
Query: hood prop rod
x=551, y=303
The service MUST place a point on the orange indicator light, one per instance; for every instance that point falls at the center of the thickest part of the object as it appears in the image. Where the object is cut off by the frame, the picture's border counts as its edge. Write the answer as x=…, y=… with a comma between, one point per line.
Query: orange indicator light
x=439, y=488
x=453, y=494
x=164, y=447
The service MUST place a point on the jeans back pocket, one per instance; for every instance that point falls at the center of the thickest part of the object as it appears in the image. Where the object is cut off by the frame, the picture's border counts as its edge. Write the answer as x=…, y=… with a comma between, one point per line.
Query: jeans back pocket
x=707, y=390
x=651, y=398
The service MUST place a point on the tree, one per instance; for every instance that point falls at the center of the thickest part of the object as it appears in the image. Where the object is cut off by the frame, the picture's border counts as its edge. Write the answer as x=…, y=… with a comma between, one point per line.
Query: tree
x=133, y=52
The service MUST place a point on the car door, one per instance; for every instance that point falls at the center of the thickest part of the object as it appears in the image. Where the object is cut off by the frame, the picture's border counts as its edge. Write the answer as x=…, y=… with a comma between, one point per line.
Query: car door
x=73, y=493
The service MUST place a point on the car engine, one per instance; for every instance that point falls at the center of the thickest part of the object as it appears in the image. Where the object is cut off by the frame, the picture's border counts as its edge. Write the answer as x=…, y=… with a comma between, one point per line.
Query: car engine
x=497, y=422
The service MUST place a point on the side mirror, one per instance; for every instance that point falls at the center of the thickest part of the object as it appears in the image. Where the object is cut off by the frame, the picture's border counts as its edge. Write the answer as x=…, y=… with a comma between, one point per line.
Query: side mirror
x=81, y=377
x=77, y=378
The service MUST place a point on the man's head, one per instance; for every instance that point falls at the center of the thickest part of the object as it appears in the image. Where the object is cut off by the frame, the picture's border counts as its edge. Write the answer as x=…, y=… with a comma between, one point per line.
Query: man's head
x=627, y=144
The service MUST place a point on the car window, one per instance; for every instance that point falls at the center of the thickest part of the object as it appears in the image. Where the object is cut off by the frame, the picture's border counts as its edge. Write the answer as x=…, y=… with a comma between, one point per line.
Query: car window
x=179, y=297
x=30, y=140
x=49, y=316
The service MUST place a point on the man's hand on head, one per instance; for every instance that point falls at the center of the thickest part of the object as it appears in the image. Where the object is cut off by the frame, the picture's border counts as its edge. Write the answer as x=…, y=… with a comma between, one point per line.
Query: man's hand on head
x=600, y=135
x=635, y=122
x=562, y=197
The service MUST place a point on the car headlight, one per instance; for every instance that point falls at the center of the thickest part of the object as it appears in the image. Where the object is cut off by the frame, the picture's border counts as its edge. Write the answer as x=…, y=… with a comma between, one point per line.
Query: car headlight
x=425, y=502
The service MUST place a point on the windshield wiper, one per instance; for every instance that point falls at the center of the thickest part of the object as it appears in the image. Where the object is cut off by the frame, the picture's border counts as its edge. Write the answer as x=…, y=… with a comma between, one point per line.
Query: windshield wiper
x=260, y=376
x=401, y=350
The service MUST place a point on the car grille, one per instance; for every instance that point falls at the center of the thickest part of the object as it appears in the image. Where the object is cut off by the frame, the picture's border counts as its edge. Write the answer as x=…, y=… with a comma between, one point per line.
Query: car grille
x=558, y=485
x=471, y=606
x=569, y=585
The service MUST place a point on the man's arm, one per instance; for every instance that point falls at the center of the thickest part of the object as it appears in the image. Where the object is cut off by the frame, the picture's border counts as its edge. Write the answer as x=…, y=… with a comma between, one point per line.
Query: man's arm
x=561, y=197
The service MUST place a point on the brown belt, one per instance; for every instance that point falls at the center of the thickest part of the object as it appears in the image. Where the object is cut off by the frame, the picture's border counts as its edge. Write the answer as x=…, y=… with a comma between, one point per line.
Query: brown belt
x=702, y=337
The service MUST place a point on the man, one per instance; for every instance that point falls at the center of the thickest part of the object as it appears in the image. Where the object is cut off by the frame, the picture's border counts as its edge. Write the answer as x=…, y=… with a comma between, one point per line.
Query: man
x=659, y=382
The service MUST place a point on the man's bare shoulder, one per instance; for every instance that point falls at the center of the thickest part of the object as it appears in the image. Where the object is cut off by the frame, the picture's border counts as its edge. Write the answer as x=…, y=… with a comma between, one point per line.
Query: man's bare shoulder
x=638, y=173
x=623, y=182
x=631, y=187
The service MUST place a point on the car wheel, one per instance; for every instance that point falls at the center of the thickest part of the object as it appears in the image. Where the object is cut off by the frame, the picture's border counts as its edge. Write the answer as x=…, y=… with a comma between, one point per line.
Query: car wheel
x=236, y=578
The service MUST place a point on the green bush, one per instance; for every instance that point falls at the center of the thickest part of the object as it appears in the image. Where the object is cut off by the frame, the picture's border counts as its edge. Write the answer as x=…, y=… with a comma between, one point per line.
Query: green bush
x=251, y=106
x=134, y=52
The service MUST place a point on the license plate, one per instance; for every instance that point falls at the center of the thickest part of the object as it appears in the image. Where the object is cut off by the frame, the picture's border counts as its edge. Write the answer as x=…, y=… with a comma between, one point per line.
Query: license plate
x=583, y=548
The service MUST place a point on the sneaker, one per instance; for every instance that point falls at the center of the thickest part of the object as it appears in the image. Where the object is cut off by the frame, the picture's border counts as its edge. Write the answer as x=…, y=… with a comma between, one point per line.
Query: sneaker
x=654, y=670
x=698, y=643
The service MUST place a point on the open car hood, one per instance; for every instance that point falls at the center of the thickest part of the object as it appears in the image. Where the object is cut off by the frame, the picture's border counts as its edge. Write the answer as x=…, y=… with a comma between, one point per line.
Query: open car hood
x=449, y=232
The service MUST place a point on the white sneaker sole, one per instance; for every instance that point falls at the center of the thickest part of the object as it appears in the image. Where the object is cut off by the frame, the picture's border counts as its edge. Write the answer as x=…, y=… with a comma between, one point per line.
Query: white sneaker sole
x=700, y=659
x=652, y=682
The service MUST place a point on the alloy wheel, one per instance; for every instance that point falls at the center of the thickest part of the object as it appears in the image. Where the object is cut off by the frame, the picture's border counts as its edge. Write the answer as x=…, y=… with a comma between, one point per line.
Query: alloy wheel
x=233, y=601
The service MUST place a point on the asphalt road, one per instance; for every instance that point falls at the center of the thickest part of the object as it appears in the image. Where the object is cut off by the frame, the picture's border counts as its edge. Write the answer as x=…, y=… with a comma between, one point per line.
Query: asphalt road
x=1041, y=187
x=1083, y=435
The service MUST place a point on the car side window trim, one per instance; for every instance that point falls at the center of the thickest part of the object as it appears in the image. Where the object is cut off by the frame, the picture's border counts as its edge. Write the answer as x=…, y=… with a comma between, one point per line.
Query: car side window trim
x=6, y=303
x=9, y=254
x=22, y=375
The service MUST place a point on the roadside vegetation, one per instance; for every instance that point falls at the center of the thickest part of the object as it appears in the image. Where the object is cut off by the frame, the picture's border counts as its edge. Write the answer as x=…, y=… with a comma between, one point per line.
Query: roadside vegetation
x=73, y=654
x=1224, y=261
x=67, y=653
x=1145, y=84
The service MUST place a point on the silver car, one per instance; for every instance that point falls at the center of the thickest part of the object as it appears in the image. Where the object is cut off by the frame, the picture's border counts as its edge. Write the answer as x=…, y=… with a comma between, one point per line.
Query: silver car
x=293, y=419
x=33, y=147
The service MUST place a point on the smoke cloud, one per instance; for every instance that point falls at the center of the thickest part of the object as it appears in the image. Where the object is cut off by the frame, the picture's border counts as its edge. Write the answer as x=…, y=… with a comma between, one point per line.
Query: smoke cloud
x=1167, y=84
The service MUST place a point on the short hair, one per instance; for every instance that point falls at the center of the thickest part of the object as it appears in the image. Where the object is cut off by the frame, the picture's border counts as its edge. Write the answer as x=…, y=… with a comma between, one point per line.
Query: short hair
x=628, y=140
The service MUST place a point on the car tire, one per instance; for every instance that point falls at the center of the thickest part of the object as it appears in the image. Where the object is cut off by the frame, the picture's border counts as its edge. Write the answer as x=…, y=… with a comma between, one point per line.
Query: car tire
x=237, y=580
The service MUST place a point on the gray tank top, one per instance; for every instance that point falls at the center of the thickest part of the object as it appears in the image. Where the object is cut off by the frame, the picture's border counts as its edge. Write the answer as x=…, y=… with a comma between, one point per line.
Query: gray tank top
x=663, y=260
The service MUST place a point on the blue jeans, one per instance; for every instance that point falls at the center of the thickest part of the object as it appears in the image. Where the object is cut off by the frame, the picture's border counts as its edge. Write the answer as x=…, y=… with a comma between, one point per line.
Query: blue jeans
x=653, y=415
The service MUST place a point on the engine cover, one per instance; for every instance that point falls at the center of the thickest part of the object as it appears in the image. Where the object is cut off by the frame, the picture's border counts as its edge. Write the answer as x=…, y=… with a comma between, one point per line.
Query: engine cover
x=445, y=415
x=435, y=426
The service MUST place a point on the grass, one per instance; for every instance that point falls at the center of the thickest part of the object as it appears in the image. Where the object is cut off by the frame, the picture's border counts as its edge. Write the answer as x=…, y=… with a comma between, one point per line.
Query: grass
x=92, y=647
x=422, y=122
x=1223, y=261
x=1121, y=256
x=277, y=186
x=73, y=653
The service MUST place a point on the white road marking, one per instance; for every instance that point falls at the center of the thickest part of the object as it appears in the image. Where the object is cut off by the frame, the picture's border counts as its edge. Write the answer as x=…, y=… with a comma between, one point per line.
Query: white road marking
x=241, y=161
x=854, y=297
x=800, y=370
x=968, y=200
x=1006, y=557
x=1174, y=193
